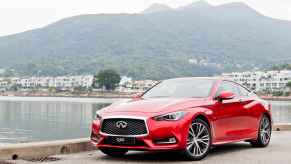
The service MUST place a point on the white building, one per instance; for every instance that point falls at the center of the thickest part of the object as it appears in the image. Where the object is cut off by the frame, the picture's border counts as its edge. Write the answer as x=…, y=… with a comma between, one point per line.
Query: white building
x=142, y=85
x=136, y=86
x=125, y=80
x=262, y=81
x=56, y=82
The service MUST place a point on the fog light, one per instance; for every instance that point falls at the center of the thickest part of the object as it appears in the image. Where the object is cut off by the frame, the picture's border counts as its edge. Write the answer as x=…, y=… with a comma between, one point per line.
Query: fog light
x=171, y=140
x=94, y=137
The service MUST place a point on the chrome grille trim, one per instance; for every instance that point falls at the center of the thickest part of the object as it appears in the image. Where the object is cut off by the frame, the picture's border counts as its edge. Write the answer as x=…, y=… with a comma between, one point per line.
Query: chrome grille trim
x=125, y=117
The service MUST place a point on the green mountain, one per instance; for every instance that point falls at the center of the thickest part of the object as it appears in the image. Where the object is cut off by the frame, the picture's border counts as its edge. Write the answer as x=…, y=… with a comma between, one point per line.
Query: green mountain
x=195, y=40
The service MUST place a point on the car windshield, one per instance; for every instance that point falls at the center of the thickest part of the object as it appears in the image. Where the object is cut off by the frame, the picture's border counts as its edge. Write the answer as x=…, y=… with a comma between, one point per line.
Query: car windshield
x=181, y=88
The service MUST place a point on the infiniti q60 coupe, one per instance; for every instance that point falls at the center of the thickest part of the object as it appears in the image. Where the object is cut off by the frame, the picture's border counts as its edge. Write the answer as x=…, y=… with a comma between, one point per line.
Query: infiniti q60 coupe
x=188, y=115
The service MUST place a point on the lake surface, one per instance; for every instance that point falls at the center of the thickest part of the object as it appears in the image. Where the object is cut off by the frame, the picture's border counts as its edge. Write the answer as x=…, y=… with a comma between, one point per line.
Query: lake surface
x=44, y=119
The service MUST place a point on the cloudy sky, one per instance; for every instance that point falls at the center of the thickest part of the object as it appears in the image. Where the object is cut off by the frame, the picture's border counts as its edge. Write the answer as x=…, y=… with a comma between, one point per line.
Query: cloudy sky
x=21, y=15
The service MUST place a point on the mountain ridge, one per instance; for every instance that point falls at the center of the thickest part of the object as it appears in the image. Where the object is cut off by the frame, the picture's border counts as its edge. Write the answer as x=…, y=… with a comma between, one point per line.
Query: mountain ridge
x=156, y=7
x=197, y=42
x=200, y=3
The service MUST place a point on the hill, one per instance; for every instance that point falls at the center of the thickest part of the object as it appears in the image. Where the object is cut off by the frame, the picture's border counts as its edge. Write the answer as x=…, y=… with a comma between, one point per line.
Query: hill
x=198, y=39
x=155, y=8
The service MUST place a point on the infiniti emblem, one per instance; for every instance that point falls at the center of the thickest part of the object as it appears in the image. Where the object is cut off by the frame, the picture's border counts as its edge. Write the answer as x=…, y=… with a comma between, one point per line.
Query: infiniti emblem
x=121, y=124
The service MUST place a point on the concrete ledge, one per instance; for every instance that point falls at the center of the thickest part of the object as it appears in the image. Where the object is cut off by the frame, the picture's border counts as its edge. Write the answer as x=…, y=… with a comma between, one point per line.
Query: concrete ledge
x=44, y=149
x=282, y=127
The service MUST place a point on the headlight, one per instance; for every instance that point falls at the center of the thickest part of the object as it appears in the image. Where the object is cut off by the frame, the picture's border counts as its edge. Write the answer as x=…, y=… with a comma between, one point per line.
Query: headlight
x=170, y=116
x=97, y=116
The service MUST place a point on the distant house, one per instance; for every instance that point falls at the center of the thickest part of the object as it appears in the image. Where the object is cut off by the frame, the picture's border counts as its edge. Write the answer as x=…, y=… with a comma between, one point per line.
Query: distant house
x=136, y=86
x=262, y=81
x=61, y=82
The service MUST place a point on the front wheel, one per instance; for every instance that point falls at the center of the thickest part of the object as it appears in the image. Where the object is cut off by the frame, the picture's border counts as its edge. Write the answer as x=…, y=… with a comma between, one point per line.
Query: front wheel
x=264, y=134
x=114, y=152
x=198, y=140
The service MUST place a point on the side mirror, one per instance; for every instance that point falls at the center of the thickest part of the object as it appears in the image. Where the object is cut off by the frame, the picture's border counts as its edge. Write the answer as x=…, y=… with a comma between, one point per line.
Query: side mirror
x=225, y=95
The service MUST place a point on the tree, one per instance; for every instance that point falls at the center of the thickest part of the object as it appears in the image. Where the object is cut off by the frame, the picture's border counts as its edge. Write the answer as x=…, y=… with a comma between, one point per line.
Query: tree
x=14, y=87
x=79, y=89
x=107, y=78
x=288, y=85
x=51, y=89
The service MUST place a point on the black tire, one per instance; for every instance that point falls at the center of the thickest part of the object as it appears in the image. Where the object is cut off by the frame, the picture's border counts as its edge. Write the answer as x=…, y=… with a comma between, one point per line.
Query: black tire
x=263, y=141
x=114, y=152
x=187, y=151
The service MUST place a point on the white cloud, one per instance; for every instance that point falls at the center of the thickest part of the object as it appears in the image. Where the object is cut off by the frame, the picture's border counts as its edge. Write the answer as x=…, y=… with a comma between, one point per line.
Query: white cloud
x=21, y=15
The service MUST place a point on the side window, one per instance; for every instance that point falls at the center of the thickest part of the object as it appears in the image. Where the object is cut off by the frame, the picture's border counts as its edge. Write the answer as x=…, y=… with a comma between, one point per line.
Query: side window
x=229, y=86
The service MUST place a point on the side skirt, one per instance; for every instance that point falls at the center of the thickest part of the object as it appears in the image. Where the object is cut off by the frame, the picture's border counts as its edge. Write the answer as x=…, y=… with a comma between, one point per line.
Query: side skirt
x=232, y=141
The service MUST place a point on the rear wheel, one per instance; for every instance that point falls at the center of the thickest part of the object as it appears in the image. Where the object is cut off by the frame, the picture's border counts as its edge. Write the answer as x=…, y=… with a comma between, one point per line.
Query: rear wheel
x=198, y=140
x=264, y=134
x=114, y=152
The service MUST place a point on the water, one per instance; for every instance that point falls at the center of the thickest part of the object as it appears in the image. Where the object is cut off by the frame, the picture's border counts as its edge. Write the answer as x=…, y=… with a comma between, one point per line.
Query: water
x=44, y=119
x=281, y=111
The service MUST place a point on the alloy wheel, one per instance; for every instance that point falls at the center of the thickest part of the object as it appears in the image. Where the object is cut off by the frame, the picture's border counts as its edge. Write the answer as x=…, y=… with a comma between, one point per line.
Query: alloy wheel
x=198, y=140
x=265, y=130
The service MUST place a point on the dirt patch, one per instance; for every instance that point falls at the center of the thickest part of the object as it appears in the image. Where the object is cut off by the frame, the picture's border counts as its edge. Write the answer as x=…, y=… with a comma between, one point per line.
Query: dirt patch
x=42, y=159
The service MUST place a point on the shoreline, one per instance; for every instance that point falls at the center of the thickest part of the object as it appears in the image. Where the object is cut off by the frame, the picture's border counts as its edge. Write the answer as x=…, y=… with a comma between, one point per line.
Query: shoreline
x=105, y=96
x=61, y=99
x=274, y=98
x=97, y=95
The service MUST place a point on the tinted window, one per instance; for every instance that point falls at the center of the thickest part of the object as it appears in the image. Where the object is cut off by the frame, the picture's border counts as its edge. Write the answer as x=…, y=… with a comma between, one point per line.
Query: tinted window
x=230, y=87
x=181, y=88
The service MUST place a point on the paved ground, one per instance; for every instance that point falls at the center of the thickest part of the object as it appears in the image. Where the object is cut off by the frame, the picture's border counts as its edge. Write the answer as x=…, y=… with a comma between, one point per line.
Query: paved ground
x=278, y=152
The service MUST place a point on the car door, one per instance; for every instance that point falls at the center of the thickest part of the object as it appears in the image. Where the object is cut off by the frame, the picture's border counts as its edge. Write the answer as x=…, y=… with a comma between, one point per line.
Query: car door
x=229, y=123
x=249, y=104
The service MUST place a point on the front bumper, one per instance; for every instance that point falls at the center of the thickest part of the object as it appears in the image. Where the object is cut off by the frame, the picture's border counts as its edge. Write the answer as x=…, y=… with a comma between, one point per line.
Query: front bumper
x=157, y=131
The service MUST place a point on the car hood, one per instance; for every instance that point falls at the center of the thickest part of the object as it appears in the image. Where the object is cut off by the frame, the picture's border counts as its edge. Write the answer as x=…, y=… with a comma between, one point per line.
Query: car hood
x=153, y=106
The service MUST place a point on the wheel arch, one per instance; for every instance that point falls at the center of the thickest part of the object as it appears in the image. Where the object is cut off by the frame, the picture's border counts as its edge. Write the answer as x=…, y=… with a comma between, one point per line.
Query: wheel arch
x=203, y=118
x=269, y=117
x=203, y=114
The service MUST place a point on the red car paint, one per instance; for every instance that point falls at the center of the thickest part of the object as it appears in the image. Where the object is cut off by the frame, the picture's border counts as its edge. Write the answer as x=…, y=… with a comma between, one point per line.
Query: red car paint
x=232, y=120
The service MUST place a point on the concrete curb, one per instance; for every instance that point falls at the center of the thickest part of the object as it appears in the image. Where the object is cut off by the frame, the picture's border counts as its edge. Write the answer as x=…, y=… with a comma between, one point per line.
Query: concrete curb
x=282, y=127
x=44, y=149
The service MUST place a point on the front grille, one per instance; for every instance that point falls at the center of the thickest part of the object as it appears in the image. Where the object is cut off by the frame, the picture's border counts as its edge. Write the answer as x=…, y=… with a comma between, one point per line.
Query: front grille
x=134, y=127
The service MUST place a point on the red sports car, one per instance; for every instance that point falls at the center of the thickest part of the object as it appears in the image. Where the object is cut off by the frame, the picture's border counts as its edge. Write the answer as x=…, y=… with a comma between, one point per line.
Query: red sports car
x=189, y=115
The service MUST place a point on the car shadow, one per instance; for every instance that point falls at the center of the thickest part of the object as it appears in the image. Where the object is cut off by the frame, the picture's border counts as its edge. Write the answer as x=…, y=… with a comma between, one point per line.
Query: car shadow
x=174, y=156
x=229, y=148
